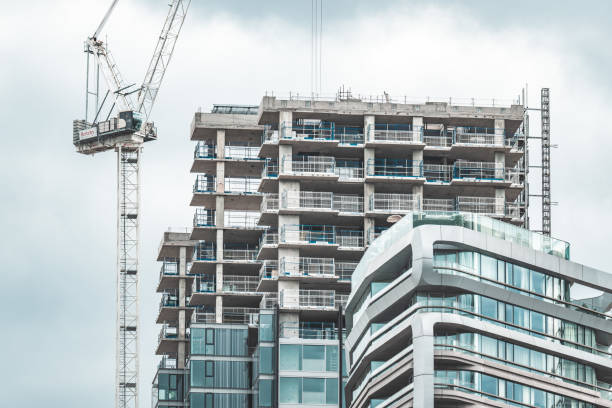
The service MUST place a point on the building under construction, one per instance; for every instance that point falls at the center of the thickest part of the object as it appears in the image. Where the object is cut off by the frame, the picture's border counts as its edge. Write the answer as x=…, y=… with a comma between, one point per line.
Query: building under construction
x=287, y=196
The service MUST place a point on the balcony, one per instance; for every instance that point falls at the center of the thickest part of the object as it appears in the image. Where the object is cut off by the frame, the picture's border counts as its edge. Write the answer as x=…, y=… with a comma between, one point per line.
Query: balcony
x=304, y=201
x=466, y=171
x=348, y=204
x=204, y=251
x=307, y=267
x=349, y=136
x=241, y=152
x=479, y=136
x=491, y=206
x=344, y=270
x=299, y=235
x=233, y=315
x=269, y=136
x=394, y=170
x=241, y=219
x=270, y=170
x=203, y=284
x=438, y=173
x=204, y=184
x=349, y=171
x=439, y=204
x=269, y=203
x=268, y=300
x=308, y=130
x=240, y=254
x=240, y=284
x=394, y=203
x=389, y=133
x=204, y=218
x=268, y=271
x=307, y=299
x=308, y=167
x=311, y=331
x=169, y=267
x=350, y=239
x=241, y=185
x=204, y=151
x=438, y=138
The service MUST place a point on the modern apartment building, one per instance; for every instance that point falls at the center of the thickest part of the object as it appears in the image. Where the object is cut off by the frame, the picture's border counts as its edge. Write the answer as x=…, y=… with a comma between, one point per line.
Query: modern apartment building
x=287, y=197
x=458, y=310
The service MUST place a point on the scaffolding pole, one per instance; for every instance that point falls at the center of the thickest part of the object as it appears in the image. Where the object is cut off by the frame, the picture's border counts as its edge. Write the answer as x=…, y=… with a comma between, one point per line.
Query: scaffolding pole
x=128, y=202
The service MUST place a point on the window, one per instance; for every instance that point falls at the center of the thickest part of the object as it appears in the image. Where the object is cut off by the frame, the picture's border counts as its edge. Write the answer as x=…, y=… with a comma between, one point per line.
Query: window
x=488, y=384
x=266, y=327
x=266, y=357
x=538, y=283
x=265, y=393
x=290, y=390
x=290, y=357
x=488, y=307
x=313, y=391
x=331, y=358
x=313, y=358
x=331, y=391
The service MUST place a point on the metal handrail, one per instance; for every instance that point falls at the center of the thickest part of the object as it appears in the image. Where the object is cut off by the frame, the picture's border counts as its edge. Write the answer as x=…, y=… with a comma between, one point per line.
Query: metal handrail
x=306, y=266
x=238, y=254
x=478, y=170
x=308, y=130
x=482, y=205
x=269, y=202
x=241, y=185
x=241, y=152
x=323, y=165
x=386, y=202
x=395, y=168
x=204, y=183
x=270, y=169
x=241, y=219
x=204, y=217
x=346, y=203
x=269, y=269
x=402, y=133
x=439, y=204
x=349, y=135
x=438, y=172
x=308, y=233
x=204, y=151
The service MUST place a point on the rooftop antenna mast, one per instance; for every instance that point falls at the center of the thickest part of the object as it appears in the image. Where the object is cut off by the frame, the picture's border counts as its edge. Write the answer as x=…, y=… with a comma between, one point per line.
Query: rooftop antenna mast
x=125, y=133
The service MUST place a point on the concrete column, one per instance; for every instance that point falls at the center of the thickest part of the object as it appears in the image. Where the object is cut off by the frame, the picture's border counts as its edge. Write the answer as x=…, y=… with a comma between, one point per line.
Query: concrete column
x=500, y=131
x=285, y=120
x=368, y=228
x=220, y=143
x=220, y=187
x=417, y=155
x=182, y=292
x=182, y=261
x=285, y=157
x=500, y=193
x=180, y=361
x=368, y=127
x=219, y=309
x=423, y=360
x=368, y=193
x=220, y=211
x=417, y=192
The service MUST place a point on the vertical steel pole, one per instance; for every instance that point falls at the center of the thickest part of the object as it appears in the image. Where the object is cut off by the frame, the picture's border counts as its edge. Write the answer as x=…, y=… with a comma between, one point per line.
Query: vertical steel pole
x=546, y=202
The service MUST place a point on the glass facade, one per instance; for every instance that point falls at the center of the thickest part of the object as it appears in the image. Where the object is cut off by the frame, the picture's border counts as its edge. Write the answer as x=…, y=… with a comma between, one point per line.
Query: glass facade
x=312, y=358
x=525, y=358
x=220, y=374
x=308, y=390
x=170, y=387
x=503, y=390
x=213, y=341
x=514, y=277
x=218, y=400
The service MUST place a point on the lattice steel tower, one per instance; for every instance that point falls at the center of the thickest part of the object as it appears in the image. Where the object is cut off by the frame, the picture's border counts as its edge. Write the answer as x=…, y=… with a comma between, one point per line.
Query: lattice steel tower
x=546, y=202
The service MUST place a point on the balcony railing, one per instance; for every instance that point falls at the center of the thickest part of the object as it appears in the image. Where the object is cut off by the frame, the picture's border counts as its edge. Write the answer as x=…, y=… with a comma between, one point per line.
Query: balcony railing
x=204, y=184
x=438, y=138
x=349, y=169
x=347, y=238
x=478, y=170
x=268, y=238
x=239, y=254
x=204, y=251
x=308, y=234
x=479, y=136
x=344, y=270
x=514, y=175
x=204, y=151
x=308, y=165
x=307, y=299
x=311, y=331
x=439, y=204
x=241, y=219
x=241, y=152
x=167, y=332
x=204, y=218
x=396, y=203
x=268, y=300
x=169, y=267
x=269, y=135
x=345, y=203
x=399, y=133
x=312, y=200
x=235, y=315
x=168, y=299
x=269, y=203
x=241, y=185
x=270, y=170
x=269, y=269
x=349, y=135
x=237, y=283
x=203, y=284
x=481, y=205
x=305, y=266
x=395, y=168
x=308, y=129
x=438, y=172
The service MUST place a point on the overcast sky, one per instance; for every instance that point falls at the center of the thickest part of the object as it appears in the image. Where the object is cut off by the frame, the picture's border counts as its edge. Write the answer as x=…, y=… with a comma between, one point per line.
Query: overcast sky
x=58, y=208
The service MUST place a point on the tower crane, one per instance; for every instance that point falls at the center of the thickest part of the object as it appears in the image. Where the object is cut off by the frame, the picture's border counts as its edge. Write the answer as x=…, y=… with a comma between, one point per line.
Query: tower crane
x=120, y=122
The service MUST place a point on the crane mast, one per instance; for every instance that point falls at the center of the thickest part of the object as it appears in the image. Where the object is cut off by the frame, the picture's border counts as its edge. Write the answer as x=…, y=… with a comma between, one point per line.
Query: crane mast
x=125, y=133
